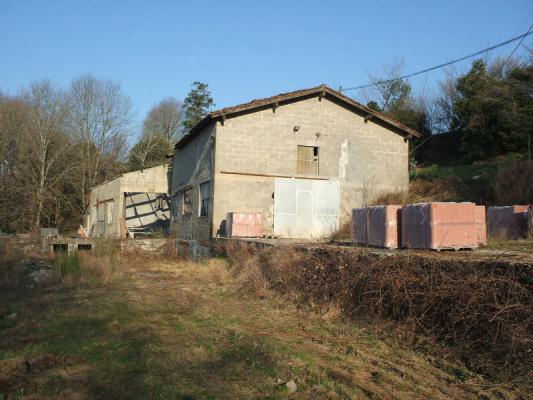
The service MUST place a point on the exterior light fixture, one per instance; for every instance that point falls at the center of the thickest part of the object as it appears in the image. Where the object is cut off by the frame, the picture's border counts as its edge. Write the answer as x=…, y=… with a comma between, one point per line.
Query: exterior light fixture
x=296, y=129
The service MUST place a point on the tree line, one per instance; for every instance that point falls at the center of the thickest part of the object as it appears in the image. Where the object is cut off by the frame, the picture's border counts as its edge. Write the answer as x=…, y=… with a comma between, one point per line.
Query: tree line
x=487, y=111
x=56, y=144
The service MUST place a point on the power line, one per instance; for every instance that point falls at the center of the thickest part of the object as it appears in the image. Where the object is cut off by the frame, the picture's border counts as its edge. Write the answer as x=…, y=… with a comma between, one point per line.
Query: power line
x=520, y=37
x=517, y=46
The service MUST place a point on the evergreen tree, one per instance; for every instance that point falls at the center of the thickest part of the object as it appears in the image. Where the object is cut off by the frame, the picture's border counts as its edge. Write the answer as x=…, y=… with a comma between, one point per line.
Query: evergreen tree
x=196, y=105
x=491, y=110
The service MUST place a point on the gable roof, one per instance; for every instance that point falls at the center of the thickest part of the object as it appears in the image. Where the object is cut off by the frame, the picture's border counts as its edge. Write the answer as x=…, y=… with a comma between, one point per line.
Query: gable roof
x=318, y=91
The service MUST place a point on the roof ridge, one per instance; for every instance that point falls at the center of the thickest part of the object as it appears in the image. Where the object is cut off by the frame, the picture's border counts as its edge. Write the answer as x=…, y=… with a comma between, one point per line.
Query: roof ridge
x=273, y=100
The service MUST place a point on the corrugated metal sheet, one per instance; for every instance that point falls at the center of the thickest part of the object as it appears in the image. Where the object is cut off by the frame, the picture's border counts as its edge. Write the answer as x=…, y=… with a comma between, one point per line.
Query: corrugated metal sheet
x=305, y=208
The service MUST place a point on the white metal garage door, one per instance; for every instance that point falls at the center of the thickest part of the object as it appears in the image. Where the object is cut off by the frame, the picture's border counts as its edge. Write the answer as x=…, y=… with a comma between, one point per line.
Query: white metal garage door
x=305, y=208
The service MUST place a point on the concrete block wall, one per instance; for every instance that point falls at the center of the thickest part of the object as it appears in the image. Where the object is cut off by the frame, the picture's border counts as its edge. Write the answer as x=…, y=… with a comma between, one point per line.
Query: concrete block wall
x=150, y=180
x=102, y=196
x=238, y=193
x=365, y=157
x=192, y=165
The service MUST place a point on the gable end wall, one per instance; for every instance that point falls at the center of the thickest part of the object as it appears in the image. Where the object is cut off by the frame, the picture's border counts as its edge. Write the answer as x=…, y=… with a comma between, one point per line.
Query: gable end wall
x=366, y=158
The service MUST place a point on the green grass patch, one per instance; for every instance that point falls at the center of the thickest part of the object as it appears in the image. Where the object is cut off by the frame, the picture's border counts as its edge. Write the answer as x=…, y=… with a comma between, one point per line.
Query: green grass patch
x=481, y=170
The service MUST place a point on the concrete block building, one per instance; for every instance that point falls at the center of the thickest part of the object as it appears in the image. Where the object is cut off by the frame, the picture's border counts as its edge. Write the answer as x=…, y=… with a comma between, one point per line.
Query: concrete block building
x=132, y=204
x=302, y=159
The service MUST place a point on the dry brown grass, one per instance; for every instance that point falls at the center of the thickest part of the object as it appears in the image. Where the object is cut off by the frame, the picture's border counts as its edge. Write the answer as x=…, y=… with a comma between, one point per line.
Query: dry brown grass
x=245, y=270
x=480, y=311
x=442, y=189
x=174, y=330
x=208, y=270
x=344, y=232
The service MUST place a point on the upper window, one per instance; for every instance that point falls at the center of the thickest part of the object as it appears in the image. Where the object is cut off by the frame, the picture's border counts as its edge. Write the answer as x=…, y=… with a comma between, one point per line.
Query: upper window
x=205, y=191
x=187, y=202
x=307, y=160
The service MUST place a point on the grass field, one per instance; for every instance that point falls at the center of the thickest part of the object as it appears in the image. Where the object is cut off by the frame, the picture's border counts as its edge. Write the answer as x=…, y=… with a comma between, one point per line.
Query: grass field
x=155, y=329
x=467, y=172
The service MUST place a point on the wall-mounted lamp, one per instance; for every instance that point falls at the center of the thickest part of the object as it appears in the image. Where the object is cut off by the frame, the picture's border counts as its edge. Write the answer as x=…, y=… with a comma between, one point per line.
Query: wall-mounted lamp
x=296, y=129
x=317, y=134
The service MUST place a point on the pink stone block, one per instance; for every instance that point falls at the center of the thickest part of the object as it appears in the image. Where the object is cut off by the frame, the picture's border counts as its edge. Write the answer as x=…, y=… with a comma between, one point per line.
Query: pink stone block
x=244, y=224
x=359, y=225
x=481, y=225
x=507, y=222
x=383, y=226
x=439, y=226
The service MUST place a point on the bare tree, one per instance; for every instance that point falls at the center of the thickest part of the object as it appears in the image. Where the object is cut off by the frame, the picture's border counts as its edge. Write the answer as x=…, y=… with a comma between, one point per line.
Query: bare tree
x=99, y=122
x=13, y=116
x=148, y=152
x=44, y=135
x=161, y=128
x=164, y=119
x=388, y=92
x=445, y=101
x=13, y=121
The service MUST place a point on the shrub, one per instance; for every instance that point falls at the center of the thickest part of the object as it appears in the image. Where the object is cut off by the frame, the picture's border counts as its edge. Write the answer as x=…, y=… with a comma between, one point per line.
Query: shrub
x=482, y=310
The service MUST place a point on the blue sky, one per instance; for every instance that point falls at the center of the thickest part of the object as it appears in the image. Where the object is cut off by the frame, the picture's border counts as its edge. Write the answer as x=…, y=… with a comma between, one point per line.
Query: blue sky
x=243, y=49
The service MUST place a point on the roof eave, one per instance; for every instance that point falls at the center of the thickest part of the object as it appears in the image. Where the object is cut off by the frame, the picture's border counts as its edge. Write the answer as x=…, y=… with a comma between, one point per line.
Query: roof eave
x=376, y=114
x=194, y=130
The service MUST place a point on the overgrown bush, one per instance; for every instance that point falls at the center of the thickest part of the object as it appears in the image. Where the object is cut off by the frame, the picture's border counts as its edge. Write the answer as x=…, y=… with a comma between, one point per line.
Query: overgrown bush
x=482, y=311
x=513, y=184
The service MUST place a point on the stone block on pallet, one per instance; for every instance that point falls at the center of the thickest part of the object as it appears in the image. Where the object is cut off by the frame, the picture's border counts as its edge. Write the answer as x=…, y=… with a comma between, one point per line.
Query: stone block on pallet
x=384, y=226
x=507, y=222
x=439, y=226
x=244, y=224
x=359, y=225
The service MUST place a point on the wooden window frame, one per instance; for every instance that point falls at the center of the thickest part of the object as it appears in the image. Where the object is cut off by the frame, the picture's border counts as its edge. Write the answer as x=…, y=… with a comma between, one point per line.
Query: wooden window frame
x=308, y=160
